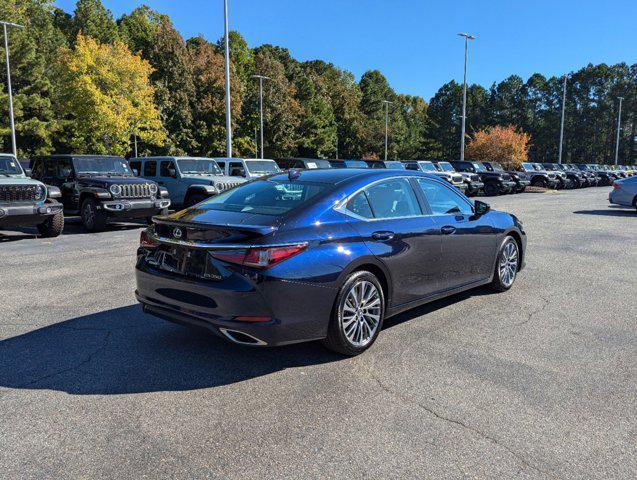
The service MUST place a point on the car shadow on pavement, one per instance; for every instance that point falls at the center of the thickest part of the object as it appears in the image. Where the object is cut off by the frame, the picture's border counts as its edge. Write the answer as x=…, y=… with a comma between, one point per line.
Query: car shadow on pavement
x=70, y=228
x=609, y=213
x=123, y=351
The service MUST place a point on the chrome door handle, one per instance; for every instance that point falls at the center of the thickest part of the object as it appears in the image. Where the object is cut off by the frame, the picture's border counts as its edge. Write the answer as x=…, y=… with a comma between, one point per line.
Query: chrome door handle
x=385, y=235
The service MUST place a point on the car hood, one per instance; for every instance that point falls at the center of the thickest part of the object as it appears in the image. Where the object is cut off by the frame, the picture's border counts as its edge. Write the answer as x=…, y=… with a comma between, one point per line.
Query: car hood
x=104, y=182
x=18, y=180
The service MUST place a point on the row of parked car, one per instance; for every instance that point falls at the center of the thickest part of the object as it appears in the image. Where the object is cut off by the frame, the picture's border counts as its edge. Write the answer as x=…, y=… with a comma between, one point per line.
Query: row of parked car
x=98, y=188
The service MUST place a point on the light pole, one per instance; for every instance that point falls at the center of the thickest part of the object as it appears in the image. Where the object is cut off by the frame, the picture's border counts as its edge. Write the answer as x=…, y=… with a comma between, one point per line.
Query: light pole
x=6, y=52
x=619, y=127
x=227, y=61
x=559, y=156
x=261, y=78
x=467, y=37
x=387, y=103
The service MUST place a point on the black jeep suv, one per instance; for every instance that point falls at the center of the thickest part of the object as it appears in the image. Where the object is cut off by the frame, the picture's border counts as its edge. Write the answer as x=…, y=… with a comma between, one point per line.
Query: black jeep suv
x=100, y=187
x=495, y=183
x=520, y=183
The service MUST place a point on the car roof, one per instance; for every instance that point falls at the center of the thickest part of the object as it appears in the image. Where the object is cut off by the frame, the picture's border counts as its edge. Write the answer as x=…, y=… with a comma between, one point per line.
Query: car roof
x=70, y=155
x=338, y=175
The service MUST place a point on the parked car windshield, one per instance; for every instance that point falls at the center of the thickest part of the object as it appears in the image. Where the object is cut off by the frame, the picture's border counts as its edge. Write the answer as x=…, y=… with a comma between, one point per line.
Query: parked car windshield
x=446, y=167
x=105, y=165
x=428, y=167
x=479, y=167
x=262, y=166
x=266, y=197
x=317, y=164
x=9, y=166
x=538, y=167
x=202, y=166
x=497, y=167
x=528, y=167
x=356, y=164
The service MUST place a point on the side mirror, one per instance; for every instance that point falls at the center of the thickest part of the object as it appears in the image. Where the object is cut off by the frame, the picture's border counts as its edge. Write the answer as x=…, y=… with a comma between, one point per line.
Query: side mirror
x=172, y=172
x=481, y=208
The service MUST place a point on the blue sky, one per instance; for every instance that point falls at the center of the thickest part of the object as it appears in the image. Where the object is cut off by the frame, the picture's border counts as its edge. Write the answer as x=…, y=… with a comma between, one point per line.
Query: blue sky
x=414, y=42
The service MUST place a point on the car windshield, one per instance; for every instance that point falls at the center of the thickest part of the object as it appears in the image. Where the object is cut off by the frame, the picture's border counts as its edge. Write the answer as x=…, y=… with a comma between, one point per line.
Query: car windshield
x=479, y=167
x=262, y=166
x=446, y=166
x=528, y=167
x=102, y=165
x=538, y=167
x=317, y=164
x=9, y=166
x=266, y=197
x=427, y=166
x=497, y=167
x=202, y=166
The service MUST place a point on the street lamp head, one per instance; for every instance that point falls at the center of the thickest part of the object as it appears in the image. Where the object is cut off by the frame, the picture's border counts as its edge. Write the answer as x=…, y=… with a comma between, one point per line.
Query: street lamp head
x=262, y=77
x=467, y=36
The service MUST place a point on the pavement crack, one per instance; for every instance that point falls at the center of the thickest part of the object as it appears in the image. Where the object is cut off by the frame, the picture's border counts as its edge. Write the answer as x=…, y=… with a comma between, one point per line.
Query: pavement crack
x=459, y=423
x=73, y=367
x=533, y=313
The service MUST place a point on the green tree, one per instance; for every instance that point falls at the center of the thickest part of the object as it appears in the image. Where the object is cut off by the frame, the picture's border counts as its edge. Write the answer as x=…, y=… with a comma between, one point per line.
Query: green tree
x=108, y=96
x=139, y=29
x=92, y=19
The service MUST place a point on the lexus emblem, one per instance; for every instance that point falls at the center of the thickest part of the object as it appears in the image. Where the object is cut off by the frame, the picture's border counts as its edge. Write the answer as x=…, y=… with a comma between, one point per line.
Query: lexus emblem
x=177, y=233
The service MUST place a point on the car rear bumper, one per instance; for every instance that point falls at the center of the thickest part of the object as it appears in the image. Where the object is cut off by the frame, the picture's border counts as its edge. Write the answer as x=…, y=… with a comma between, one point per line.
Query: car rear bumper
x=27, y=215
x=621, y=197
x=215, y=305
x=134, y=208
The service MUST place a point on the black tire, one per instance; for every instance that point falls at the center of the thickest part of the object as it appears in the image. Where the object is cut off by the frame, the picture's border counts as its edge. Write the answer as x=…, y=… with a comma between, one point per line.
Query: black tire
x=93, y=219
x=336, y=339
x=539, y=182
x=194, y=199
x=52, y=227
x=491, y=189
x=500, y=282
x=520, y=189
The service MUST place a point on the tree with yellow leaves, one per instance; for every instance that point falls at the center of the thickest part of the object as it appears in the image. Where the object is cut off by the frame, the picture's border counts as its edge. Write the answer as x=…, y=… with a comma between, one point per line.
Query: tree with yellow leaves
x=107, y=98
x=506, y=145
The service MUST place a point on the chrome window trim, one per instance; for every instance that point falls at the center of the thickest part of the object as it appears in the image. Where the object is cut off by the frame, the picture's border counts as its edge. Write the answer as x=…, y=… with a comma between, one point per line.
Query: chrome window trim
x=341, y=207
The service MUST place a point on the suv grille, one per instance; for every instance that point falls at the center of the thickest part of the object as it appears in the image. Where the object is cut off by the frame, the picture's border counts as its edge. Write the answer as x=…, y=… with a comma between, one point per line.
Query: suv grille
x=456, y=178
x=475, y=178
x=135, y=190
x=18, y=193
x=222, y=186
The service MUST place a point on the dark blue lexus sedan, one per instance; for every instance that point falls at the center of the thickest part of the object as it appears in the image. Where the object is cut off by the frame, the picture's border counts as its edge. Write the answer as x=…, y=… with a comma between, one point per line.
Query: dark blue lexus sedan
x=322, y=254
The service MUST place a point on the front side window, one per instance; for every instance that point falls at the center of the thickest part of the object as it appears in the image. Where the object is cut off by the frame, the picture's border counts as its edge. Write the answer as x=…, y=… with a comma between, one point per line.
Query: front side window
x=165, y=167
x=266, y=197
x=64, y=168
x=442, y=200
x=201, y=166
x=136, y=166
x=393, y=198
x=236, y=169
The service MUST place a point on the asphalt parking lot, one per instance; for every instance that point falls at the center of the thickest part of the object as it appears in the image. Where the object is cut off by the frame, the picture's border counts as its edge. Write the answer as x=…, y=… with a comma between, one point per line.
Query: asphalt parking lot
x=538, y=382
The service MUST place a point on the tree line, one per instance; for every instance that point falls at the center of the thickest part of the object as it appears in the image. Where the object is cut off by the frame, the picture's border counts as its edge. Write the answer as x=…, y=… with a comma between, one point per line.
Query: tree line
x=89, y=83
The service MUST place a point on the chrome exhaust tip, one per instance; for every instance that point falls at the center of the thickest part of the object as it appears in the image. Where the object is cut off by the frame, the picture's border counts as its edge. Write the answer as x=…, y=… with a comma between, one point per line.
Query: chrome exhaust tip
x=241, y=338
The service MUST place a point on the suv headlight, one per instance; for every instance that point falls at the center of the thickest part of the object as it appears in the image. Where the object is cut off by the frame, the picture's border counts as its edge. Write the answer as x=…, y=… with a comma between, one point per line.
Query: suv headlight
x=40, y=192
x=115, y=190
x=153, y=188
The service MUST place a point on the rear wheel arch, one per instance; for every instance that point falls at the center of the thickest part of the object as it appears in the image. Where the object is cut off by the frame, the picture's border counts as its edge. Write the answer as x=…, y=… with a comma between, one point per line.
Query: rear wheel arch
x=379, y=271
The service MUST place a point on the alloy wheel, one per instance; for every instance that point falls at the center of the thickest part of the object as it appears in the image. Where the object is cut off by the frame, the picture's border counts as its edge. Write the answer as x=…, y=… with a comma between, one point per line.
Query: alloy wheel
x=509, y=264
x=360, y=313
x=89, y=216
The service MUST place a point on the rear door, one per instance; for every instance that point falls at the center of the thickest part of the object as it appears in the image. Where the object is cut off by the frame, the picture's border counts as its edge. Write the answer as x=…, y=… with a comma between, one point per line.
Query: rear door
x=390, y=219
x=468, y=241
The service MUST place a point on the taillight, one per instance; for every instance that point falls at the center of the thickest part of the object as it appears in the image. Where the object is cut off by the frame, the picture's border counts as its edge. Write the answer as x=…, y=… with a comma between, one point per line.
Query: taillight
x=145, y=241
x=616, y=186
x=257, y=257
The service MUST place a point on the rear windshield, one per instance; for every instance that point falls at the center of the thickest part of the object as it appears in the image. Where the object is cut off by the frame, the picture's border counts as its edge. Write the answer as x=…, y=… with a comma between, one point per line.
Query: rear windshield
x=266, y=197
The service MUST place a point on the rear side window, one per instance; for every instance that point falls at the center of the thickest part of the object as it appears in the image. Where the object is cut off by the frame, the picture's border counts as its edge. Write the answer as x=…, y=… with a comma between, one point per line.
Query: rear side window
x=359, y=205
x=266, y=197
x=150, y=168
x=392, y=198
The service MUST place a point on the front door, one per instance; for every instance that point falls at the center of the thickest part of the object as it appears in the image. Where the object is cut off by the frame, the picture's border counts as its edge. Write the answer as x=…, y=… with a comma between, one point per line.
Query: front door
x=468, y=241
